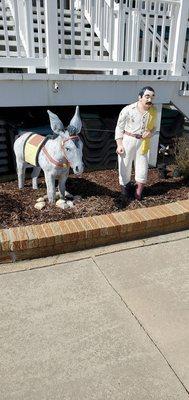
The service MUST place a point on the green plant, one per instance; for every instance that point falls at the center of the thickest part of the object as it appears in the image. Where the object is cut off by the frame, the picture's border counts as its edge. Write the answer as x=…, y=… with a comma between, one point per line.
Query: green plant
x=181, y=156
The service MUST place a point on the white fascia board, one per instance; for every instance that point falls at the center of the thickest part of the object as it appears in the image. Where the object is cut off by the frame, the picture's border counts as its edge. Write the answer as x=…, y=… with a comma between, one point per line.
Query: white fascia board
x=88, y=77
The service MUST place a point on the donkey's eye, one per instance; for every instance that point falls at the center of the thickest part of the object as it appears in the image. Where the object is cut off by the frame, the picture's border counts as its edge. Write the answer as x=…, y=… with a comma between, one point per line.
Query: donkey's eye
x=67, y=149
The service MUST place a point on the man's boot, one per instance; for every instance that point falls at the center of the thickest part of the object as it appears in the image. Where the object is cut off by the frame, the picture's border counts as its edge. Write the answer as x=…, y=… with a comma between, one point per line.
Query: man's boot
x=139, y=190
x=125, y=194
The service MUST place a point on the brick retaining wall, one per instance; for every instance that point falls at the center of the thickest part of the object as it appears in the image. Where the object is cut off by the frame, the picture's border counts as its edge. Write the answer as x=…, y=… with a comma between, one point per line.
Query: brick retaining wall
x=34, y=241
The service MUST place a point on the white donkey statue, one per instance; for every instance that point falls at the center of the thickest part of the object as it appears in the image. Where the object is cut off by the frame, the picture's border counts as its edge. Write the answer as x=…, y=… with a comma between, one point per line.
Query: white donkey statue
x=54, y=155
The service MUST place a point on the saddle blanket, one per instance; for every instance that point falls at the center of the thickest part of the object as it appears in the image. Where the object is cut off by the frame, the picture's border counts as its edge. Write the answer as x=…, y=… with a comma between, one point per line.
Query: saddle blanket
x=32, y=147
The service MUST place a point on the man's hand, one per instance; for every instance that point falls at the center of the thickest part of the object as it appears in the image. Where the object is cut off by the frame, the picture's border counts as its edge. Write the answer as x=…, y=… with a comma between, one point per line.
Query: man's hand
x=147, y=134
x=120, y=149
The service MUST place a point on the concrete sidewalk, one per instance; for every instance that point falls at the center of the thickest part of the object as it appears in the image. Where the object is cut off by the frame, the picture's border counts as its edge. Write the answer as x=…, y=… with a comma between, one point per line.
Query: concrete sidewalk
x=108, y=323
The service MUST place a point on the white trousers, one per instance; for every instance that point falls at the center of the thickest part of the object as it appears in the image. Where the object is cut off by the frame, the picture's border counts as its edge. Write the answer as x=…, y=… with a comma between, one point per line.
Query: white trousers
x=125, y=161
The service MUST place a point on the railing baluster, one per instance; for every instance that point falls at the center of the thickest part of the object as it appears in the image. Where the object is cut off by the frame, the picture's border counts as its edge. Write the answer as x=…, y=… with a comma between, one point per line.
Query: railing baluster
x=135, y=39
x=153, y=54
x=92, y=29
x=82, y=27
x=138, y=20
x=39, y=29
x=72, y=30
x=172, y=30
x=101, y=29
x=29, y=29
x=161, y=55
x=111, y=28
x=128, y=34
x=62, y=36
x=16, y=21
x=145, y=56
x=5, y=30
x=98, y=13
x=121, y=22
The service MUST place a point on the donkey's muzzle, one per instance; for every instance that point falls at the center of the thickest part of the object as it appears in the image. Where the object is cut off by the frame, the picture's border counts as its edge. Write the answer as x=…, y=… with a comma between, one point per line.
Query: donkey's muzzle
x=78, y=169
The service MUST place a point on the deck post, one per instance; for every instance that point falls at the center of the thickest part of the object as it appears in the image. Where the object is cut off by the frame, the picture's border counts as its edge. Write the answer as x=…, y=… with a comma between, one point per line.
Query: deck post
x=180, y=38
x=153, y=153
x=135, y=18
x=51, y=22
x=27, y=7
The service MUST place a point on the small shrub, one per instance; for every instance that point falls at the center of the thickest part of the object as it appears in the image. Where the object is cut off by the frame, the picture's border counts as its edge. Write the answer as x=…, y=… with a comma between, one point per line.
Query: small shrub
x=181, y=156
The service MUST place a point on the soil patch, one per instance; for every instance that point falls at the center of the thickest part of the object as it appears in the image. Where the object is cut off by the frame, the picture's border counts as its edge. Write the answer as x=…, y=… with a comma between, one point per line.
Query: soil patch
x=99, y=191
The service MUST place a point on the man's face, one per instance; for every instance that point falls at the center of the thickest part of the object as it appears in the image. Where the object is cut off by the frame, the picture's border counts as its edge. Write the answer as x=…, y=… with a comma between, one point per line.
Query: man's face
x=147, y=99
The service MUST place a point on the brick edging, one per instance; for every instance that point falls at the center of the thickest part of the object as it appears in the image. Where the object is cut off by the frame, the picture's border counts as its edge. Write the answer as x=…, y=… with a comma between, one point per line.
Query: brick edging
x=34, y=241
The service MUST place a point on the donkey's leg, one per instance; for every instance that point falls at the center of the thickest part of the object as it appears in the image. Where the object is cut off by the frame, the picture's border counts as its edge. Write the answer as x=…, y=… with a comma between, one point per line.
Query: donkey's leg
x=21, y=173
x=62, y=184
x=34, y=175
x=50, y=183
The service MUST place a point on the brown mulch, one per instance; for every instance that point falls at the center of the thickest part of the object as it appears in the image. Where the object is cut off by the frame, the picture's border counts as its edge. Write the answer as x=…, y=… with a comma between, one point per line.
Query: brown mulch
x=99, y=191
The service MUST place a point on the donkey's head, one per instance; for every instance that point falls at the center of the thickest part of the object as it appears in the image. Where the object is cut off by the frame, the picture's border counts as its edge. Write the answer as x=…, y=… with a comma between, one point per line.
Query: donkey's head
x=72, y=145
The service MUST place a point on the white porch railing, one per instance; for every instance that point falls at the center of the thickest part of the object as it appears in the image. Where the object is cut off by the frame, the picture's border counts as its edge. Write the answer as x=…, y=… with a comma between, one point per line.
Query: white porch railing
x=138, y=37
x=143, y=31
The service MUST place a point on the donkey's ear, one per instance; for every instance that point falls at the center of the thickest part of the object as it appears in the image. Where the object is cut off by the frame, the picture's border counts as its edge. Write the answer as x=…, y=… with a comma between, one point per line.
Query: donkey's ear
x=56, y=125
x=76, y=121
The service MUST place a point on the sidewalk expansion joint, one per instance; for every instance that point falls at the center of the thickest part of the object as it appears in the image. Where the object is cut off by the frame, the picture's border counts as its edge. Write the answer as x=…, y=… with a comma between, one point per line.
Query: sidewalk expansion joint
x=141, y=325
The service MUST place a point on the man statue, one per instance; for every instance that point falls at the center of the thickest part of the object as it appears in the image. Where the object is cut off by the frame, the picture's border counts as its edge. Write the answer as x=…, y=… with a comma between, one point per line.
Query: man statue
x=135, y=126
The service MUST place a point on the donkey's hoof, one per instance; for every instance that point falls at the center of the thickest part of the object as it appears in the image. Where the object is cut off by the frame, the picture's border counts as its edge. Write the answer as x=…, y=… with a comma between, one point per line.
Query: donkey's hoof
x=70, y=203
x=62, y=204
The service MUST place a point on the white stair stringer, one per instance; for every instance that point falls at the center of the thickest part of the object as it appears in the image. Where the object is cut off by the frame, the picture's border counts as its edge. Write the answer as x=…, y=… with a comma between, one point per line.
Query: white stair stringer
x=182, y=104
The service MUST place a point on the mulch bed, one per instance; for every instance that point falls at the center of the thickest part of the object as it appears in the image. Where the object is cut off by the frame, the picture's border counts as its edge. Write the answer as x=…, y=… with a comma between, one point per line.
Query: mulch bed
x=100, y=193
